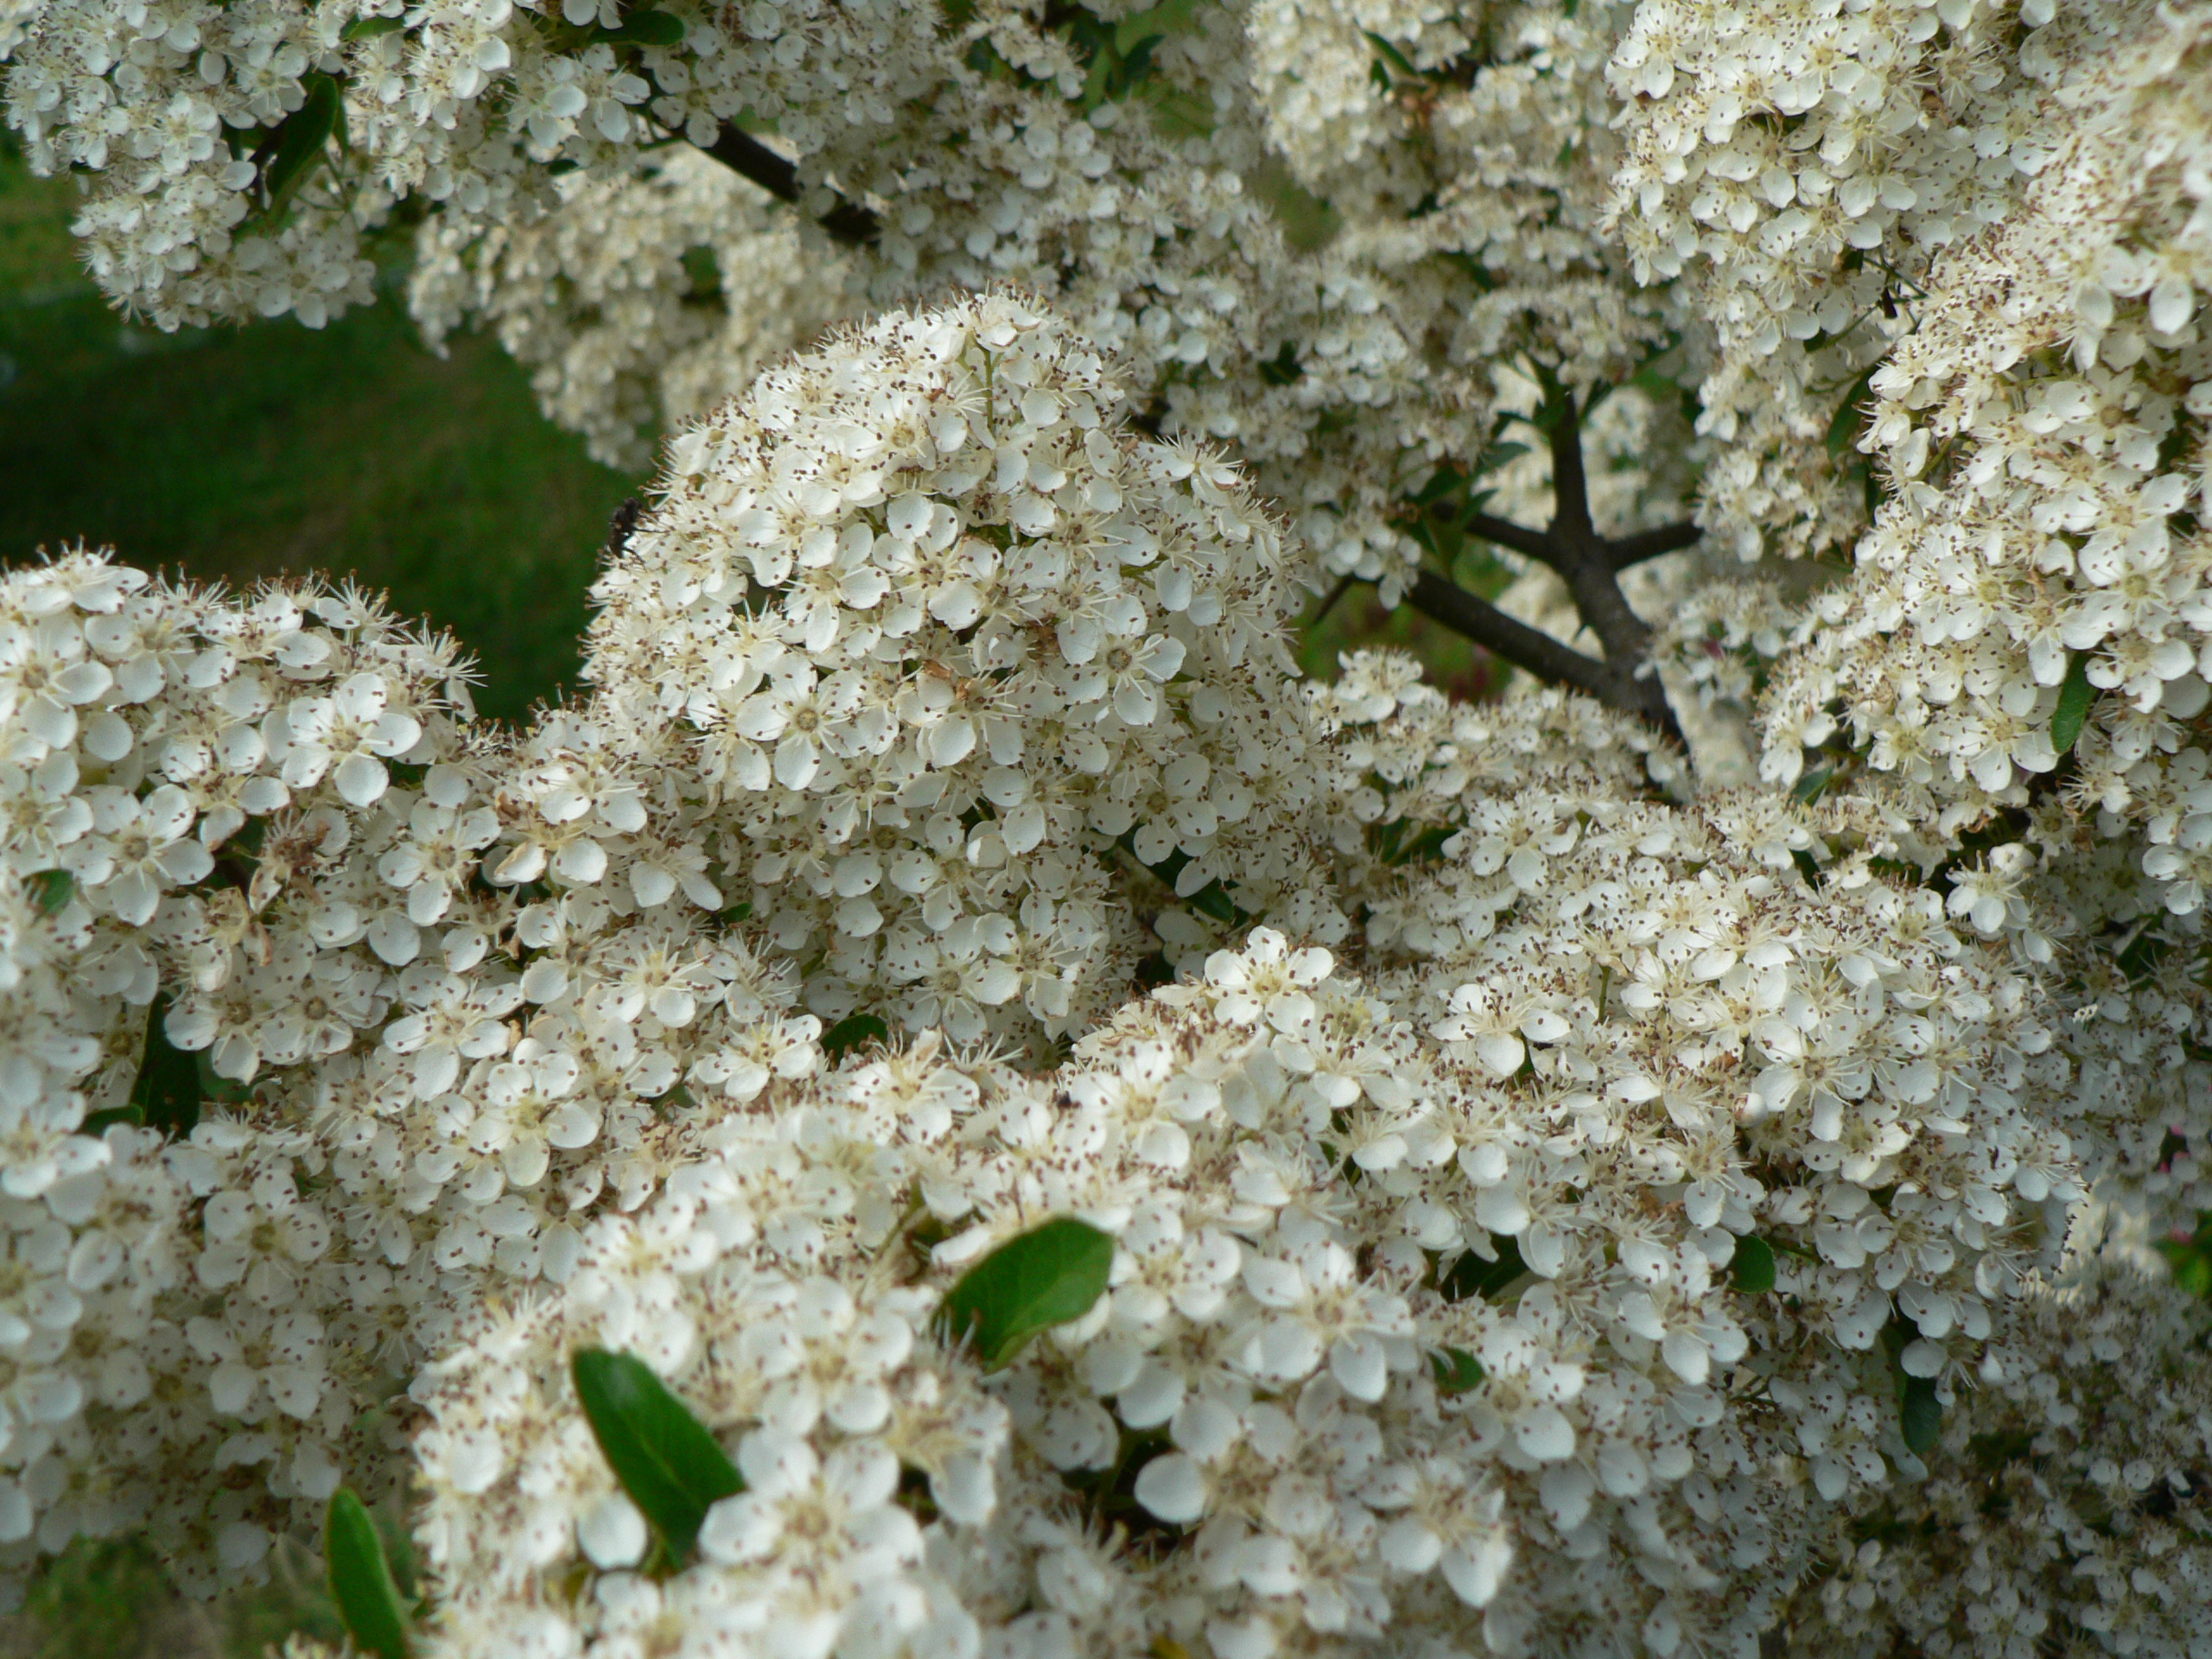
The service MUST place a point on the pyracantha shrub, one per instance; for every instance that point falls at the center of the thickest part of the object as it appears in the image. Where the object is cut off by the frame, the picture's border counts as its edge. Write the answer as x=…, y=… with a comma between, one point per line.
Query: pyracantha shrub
x=951, y=1102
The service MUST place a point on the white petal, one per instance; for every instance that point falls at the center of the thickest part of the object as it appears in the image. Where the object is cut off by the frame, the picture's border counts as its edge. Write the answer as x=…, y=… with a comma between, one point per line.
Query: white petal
x=1173, y=1488
x=612, y=1533
x=361, y=779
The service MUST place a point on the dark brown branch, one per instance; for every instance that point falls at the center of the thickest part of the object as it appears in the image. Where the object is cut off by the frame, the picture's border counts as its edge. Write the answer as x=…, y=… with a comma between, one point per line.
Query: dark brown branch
x=1650, y=543
x=1570, y=490
x=1581, y=556
x=1477, y=619
x=1533, y=542
x=743, y=154
x=1520, y=644
x=1590, y=564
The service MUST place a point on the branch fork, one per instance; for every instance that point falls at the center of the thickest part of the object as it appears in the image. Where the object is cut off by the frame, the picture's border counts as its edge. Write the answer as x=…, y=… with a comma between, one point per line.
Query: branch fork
x=1590, y=565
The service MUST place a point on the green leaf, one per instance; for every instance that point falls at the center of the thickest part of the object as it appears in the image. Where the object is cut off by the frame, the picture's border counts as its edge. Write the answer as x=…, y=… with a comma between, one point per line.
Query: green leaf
x=1472, y=1276
x=1047, y=1276
x=302, y=139
x=1457, y=1370
x=1169, y=17
x=1753, y=1268
x=851, y=1032
x=645, y=28
x=368, y=29
x=2074, y=694
x=1843, y=429
x=1210, y=900
x=1388, y=53
x=1920, y=1415
x=672, y=1468
x=360, y=1578
x=52, y=890
x=1499, y=453
x=167, y=1095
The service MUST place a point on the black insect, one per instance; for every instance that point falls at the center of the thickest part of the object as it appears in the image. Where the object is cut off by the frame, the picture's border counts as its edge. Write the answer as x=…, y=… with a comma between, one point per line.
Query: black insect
x=620, y=527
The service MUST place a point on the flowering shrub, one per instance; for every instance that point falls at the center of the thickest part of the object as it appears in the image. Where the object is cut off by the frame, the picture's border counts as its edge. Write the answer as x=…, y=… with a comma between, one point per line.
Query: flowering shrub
x=951, y=1103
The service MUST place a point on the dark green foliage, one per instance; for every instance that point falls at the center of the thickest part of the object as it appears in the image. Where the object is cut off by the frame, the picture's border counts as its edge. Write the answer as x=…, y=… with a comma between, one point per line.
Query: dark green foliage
x=1752, y=1271
x=1046, y=1276
x=1920, y=1415
x=301, y=140
x=2075, y=696
x=1456, y=1370
x=167, y=1093
x=1472, y=1276
x=645, y=28
x=672, y=1468
x=361, y=1579
x=851, y=1032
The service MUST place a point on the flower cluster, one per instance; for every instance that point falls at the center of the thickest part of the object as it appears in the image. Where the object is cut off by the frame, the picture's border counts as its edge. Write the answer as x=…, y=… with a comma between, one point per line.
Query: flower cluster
x=2078, y=1502
x=1428, y=1286
x=640, y=300
x=2046, y=458
x=240, y=151
x=933, y=631
x=1557, y=1202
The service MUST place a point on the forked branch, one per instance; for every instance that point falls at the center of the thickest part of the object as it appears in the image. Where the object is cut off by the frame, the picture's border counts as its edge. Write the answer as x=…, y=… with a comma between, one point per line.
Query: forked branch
x=1590, y=565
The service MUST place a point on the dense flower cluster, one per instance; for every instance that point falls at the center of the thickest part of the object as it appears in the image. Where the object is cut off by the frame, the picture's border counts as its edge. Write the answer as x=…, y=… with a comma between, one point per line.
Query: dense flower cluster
x=1559, y=1200
x=2078, y=1503
x=995, y=633
x=2047, y=458
x=640, y=300
x=1423, y=1302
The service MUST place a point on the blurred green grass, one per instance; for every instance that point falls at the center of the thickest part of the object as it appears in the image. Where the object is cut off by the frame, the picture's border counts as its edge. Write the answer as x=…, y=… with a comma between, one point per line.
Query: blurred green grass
x=235, y=453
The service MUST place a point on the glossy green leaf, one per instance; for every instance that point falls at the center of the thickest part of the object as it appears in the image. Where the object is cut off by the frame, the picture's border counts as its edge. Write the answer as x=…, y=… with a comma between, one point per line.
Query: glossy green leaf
x=2074, y=694
x=1843, y=429
x=52, y=890
x=1047, y=1276
x=368, y=29
x=1752, y=1270
x=302, y=139
x=1813, y=785
x=1388, y=52
x=672, y=1468
x=851, y=1033
x=167, y=1095
x=360, y=1578
x=1920, y=1415
x=1472, y=1276
x=645, y=28
x=1456, y=1369
x=1210, y=901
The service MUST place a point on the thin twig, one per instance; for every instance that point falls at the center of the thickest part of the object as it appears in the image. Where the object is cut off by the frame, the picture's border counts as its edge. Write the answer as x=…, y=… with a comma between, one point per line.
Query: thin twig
x=1494, y=631
x=1343, y=587
x=1535, y=544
